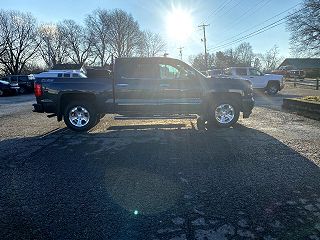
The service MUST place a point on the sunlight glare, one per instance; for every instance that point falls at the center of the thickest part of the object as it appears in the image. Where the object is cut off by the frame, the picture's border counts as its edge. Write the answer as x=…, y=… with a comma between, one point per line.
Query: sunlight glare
x=179, y=24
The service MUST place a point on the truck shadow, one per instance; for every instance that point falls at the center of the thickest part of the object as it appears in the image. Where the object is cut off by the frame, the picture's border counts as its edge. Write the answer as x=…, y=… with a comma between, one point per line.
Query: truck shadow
x=132, y=180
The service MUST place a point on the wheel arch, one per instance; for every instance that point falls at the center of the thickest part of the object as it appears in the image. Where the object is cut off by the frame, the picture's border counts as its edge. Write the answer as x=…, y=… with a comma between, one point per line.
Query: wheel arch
x=66, y=98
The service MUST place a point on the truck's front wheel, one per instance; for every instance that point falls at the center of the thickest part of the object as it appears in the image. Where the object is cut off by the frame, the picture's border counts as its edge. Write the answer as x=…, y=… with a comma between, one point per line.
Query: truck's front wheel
x=80, y=116
x=224, y=113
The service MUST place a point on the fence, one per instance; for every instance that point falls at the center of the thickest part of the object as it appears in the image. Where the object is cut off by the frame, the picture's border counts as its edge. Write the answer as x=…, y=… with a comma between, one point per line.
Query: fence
x=314, y=83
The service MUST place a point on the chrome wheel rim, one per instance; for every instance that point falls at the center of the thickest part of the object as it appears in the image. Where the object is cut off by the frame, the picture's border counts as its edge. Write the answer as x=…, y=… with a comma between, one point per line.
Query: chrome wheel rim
x=273, y=89
x=224, y=113
x=79, y=116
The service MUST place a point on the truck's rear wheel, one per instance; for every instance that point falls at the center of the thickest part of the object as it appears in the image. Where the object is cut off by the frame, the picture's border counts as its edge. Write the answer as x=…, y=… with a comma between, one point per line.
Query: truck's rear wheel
x=224, y=113
x=272, y=88
x=80, y=116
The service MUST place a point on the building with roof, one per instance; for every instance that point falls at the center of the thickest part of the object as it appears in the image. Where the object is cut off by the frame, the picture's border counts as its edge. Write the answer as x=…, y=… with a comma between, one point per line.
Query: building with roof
x=311, y=66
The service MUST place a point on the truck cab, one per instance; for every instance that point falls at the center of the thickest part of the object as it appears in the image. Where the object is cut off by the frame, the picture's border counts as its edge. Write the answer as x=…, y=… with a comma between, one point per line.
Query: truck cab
x=145, y=86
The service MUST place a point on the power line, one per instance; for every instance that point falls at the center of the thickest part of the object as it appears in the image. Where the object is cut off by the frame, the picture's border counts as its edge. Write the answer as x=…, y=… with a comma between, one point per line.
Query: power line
x=245, y=37
x=254, y=8
x=254, y=33
x=230, y=9
x=203, y=26
x=221, y=7
x=247, y=30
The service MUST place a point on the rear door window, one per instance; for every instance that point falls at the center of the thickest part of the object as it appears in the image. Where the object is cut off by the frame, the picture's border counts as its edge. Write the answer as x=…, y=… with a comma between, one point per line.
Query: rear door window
x=140, y=71
x=241, y=71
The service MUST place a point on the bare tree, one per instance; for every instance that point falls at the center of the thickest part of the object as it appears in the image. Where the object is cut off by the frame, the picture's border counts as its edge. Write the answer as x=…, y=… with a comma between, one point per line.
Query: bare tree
x=124, y=34
x=305, y=29
x=19, y=40
x=271, y=58
x=258, y=61
x=244, y=54
x=152, y=44
x=98, y=25
x=198, y=61
x=53, y=48
x=78, y=42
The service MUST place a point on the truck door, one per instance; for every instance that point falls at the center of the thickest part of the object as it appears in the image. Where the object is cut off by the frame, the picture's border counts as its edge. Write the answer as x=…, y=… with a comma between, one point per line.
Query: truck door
x=180, y=89
x=137, y=87
x=258, y=79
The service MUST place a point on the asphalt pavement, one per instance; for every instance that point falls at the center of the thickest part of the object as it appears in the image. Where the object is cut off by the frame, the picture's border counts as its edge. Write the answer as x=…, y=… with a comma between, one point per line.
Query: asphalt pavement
x=160, y=178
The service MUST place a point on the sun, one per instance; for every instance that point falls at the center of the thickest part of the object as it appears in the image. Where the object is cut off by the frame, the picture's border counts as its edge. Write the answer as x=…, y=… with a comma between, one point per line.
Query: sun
x=179, y=24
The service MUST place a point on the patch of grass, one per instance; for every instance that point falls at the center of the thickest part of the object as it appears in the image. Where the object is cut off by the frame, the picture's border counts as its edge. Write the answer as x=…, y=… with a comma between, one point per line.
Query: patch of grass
x=312, y=98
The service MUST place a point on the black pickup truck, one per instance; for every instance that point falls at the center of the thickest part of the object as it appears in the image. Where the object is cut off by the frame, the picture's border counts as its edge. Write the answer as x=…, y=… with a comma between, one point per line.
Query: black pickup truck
x=145, y=86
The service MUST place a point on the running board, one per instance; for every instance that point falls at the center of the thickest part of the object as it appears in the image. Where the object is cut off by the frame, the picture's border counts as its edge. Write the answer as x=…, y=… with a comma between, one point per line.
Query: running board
x=133, y=117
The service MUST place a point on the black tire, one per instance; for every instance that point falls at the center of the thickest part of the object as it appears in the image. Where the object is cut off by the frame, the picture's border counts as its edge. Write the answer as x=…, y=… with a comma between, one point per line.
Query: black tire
x=86, y=119
x=273, y=88
x=230, y=107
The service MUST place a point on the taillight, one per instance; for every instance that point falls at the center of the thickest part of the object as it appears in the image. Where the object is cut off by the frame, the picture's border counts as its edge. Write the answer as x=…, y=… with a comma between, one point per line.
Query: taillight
x=37, y=90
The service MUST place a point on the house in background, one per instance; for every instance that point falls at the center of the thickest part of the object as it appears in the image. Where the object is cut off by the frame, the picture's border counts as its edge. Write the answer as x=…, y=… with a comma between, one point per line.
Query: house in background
x=311, y=66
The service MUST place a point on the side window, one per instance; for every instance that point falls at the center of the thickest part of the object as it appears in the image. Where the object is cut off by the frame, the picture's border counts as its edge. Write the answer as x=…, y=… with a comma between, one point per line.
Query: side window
x=254, y=72
x=241, y=71
x=168, y=72
x=66, y=75
x=75, y=75
x=139, y=71
x=59, y=75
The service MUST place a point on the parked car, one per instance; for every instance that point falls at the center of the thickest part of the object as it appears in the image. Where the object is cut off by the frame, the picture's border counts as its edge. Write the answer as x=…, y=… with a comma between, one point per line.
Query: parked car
x=7, y=88
x=25, y=82
x=145, y=86
x=61, y=74
x=271, y=83
x=289, y=71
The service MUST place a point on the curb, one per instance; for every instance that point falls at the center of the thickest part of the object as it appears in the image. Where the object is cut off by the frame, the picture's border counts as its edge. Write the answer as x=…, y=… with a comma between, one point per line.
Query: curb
x=302, y=107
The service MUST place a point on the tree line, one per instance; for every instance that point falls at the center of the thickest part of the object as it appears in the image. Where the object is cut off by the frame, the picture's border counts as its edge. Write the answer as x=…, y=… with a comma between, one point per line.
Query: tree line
x=240, y=56
x=25, y=43
x=105, y=33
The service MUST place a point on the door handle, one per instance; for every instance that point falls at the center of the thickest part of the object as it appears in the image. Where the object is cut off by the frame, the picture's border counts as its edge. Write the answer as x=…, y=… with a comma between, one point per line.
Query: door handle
x=164, y=85
x=122, y=84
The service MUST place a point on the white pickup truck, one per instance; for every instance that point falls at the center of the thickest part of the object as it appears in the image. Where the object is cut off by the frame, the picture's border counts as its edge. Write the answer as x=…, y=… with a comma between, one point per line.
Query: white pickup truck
x=271, y=83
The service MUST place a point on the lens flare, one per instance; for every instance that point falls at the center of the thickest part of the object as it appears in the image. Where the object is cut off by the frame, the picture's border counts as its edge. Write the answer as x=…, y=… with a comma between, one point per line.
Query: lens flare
x=179, y=24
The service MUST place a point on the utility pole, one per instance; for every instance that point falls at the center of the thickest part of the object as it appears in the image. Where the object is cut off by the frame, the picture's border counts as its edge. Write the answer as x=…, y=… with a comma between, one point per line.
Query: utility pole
x=180, y=52
x=203, y=26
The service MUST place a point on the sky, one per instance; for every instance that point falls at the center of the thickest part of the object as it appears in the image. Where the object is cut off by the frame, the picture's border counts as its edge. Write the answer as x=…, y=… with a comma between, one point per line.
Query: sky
x=228, y=20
